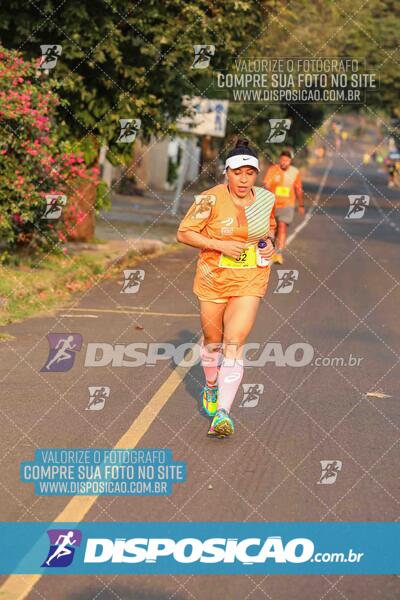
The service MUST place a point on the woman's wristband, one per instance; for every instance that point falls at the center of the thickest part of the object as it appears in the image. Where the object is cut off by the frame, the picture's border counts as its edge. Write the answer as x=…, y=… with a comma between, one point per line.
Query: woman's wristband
x=272, y=240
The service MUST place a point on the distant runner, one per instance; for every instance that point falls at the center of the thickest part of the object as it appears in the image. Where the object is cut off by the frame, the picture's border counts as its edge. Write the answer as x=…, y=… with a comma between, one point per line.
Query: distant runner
x=228, y=281
x=393, y=168
x=284, y=181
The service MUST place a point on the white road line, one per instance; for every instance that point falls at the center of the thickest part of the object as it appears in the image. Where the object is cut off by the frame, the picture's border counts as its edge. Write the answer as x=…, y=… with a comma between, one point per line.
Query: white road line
x=80, y=316
x=310, y=211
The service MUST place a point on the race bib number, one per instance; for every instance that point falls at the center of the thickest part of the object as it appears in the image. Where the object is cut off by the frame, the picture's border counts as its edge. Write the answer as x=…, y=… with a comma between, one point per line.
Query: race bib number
x=282, y=191
x=248, y=259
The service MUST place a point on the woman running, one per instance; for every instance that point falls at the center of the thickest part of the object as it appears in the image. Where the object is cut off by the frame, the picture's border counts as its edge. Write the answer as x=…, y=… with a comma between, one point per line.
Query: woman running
x=226, y=222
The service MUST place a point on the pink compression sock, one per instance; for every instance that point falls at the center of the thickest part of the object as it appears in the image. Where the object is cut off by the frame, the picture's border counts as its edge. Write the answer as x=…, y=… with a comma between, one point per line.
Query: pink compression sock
x=229, y=378
x=210, y=362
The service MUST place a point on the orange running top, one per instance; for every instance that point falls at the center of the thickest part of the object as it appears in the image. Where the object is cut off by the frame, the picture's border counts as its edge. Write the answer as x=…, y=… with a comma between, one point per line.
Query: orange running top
x=215, y=215
x=285, y=184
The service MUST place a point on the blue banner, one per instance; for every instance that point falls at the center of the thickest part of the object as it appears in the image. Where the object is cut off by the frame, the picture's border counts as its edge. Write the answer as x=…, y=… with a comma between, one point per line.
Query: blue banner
x=208, y=548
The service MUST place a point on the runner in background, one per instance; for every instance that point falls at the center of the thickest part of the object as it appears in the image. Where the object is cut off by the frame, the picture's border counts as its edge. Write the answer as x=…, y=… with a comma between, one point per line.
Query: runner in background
x=284, y=181
x=392, y=163
x=336, y=130
x=227, y=223
x=393, y=172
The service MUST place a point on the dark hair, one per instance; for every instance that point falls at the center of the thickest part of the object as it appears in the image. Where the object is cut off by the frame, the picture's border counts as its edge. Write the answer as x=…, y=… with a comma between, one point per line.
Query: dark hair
x=241, y=147
x=287, y=153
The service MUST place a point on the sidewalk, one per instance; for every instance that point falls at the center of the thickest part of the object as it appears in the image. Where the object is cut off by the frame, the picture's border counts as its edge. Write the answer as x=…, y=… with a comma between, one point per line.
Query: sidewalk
x=131, y=213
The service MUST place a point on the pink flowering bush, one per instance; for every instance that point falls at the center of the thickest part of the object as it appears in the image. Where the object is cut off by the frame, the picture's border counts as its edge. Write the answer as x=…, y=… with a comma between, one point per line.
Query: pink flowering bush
x=33, y=161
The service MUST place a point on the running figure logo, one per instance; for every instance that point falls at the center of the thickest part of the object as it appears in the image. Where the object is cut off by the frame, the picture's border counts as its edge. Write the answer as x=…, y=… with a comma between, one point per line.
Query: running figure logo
x=202, y=56
x=132, y=280
x=251, y=394
x=97, y=397
x=129, y=129
x=63, y=543
x=50, y=54
x=287, y=278
x=62, y=351
x=54, y=206
x=357, y=207
x=278, y=130
x=329, y=471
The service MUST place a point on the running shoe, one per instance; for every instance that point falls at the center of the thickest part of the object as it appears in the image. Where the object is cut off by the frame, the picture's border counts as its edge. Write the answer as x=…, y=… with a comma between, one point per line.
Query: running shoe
x=222, y=424
x=212, y=433
x=210, y=400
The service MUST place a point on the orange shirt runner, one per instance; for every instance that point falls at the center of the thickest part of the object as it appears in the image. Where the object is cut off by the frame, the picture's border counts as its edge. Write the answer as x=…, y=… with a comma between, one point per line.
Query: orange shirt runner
x=285, y=184
x=215, y=215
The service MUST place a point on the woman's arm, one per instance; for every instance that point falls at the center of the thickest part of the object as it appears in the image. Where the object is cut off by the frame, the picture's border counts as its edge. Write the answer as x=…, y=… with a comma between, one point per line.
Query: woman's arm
x=197, y=240
x=269, y=250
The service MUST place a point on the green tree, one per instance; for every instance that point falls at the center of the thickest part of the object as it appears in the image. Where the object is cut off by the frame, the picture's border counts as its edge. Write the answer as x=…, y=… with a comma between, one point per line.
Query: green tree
x=367, y=32
x=128, y=60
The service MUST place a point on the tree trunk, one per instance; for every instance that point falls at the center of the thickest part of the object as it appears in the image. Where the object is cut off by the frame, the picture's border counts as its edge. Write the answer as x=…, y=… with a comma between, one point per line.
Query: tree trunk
x=79, y=214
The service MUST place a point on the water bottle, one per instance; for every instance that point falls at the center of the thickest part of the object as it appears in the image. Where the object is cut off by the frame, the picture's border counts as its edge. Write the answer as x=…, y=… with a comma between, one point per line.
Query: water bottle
x=262, y=262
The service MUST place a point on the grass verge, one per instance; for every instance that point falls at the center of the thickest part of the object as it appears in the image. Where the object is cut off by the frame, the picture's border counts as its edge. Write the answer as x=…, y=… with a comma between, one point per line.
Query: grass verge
x=31, y=286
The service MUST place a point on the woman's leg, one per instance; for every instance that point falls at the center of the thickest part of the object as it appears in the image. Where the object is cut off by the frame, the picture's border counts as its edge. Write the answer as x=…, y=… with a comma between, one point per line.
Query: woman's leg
x=238, y=321
x=211, y=318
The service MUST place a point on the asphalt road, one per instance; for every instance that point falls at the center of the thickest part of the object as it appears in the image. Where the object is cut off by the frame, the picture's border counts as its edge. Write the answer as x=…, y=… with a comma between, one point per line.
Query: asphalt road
x=345, y=302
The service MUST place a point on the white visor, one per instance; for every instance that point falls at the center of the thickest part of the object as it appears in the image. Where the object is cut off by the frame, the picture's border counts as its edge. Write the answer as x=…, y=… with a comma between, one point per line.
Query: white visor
x=241, y=160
